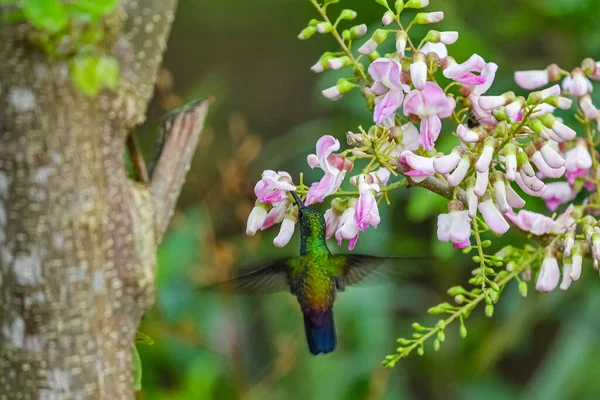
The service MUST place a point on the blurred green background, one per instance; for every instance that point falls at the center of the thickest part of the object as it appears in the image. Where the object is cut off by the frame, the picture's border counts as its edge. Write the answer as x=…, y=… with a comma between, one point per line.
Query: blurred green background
x=268, y=114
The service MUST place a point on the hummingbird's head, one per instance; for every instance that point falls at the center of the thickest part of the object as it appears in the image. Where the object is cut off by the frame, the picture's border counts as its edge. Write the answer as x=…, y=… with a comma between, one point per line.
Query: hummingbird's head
x=311, y=220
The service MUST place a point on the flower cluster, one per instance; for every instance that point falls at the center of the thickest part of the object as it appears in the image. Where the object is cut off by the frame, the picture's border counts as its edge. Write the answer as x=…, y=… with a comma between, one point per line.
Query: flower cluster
x=508, y=148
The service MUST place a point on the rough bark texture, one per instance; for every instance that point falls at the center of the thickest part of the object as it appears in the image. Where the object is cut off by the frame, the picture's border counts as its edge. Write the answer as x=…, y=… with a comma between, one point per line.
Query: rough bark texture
x=77, y=237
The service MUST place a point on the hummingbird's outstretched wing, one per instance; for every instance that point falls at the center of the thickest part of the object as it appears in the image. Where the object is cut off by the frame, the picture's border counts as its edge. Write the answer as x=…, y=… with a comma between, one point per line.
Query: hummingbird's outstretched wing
x=358, y=267
x=269, y=279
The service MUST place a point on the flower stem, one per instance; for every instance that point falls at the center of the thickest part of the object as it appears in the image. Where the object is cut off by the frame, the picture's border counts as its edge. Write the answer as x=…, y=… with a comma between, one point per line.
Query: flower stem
x=336, y=35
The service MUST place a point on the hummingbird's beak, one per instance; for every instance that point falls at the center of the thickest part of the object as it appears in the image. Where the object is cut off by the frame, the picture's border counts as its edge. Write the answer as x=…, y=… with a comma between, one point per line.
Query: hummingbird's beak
x=298, y=200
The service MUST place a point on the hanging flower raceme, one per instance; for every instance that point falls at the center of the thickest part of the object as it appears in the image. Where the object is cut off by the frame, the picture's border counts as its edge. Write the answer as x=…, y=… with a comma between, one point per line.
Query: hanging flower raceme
x=388, y=88
x=335, y=167
x=455, y=226
x=430, y=105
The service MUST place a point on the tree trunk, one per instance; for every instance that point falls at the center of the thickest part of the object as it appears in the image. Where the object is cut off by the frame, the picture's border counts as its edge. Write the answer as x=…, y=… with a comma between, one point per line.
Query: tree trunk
x=77, y=237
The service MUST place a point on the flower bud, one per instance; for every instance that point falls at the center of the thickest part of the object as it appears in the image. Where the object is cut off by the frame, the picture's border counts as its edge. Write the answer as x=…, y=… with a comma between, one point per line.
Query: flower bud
x=388, y=18
x=549, y=273
x=257, y=218
x=481, y=182
x=471, y=197
x=577, y=257
x=424, y=18
x=461, y=171
x=513, y=198
x=447, y=163
x=416, y=4
x=348, y=14
x=401, y=39
x=491, y=215
x=339, y=62
x=324, y=27
x=307, y=32
x=487, y=153
x=510, y=160
x=590, y=111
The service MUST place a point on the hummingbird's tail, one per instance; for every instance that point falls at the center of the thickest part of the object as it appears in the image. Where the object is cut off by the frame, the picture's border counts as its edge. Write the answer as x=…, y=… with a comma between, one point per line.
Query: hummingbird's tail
x=320, y=330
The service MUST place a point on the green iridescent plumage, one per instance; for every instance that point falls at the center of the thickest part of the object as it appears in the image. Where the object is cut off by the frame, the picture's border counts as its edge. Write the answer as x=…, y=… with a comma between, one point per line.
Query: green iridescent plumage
x=314, y=278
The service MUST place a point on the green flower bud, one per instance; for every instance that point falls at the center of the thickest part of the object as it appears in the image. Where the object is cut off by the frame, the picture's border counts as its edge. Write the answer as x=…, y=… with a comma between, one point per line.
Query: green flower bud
x=523, y=288
x=307, y=32
x=436, y=345
x=463, y=331
x=489, y=310
x=348, y=14
x=380, y=35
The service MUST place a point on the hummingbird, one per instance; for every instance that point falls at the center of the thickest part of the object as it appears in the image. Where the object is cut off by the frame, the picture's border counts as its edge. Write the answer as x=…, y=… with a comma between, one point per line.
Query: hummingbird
x=314, y=278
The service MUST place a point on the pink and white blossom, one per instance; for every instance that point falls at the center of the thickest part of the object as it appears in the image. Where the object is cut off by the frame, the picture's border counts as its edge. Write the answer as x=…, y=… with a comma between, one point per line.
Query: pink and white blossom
x=335, y=168
x=455, y=226
x=388, y=88
x=347, y=228
x=285, y=232
x=577, y=84
x=578, y=161
x=535, y=223
x=256, y=219
x=549, y=275
x=558, y=193
x=273, y=187
x=463, y=73
x=492, y=216
x=420, y=167
x=438, y=48
x=429, y=104
x=531, y=80
x=589, y=109
x=449, y=162
x=367, y=212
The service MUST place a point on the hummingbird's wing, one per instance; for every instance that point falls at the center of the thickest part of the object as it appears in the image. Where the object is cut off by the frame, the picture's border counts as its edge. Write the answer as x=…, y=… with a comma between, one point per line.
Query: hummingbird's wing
x=270, y=278
x=358, y=267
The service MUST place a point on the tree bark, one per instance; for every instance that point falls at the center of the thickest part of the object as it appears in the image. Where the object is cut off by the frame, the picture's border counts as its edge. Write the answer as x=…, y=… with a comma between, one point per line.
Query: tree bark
x=77, y=237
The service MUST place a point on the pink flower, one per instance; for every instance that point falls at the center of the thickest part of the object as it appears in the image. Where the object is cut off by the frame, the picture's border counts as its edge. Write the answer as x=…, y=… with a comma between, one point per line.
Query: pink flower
x=276, y=214
x=335, y=167
x=537, y=224
x=463, y=73
x=589, y=109
x=418, y=74
x=577, y=161
x=273, y=186
x=455, y=226
x=492, y=216
x=420, y=167
x=531, y=80
x=449, y=162
x=332, y=222
x=410, y=136
x=256, y=219
x=367, y=212
x=558, y=193
x=388, y=88
x=285, y=232
x=437, y=48
x=347, y=228
x=577, y=84
x=549, y=275
x=430, y=104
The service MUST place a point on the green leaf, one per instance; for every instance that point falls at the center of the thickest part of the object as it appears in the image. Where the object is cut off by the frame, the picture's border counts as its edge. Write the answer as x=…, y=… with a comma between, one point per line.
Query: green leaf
x=93, y=8
x=108, y=71
x=48, y=15
x=137, y=370
x=84, y=73
x=142, y=338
